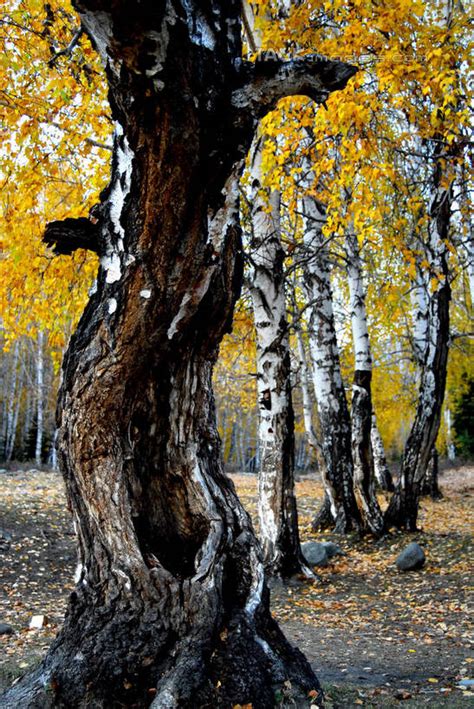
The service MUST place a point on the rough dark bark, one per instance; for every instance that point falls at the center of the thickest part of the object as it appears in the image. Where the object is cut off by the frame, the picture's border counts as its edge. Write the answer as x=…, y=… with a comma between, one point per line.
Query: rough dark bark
x=364, y=480
x=277, y=511
x=170, y=607
x=323, y=519
x=403, y=509
x=430, y=485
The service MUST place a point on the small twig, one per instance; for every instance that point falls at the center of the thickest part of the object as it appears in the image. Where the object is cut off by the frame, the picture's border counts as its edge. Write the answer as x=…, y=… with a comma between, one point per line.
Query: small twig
x=67, y=51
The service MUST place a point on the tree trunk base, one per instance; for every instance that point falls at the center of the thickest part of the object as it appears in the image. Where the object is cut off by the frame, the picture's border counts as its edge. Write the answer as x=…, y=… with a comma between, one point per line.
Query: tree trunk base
x=324, y=520
x=385, y=482
x=402, y=512
x=121, y=656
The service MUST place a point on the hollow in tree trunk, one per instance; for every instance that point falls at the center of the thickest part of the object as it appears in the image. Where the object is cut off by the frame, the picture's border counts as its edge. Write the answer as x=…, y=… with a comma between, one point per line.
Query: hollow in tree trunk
x=170, y=608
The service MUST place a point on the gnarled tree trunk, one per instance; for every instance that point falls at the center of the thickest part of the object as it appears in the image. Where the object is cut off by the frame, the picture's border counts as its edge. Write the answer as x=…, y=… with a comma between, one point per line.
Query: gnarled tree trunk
x=170, y=607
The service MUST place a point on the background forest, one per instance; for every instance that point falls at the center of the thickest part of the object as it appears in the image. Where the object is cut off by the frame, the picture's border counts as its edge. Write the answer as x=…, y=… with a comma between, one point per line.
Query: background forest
x=348, y=192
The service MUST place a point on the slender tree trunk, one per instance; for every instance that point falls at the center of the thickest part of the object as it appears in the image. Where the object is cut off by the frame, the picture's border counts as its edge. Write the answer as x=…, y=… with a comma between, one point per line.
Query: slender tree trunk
x=451, y=448
x=39, y=397
x=233, y=445
x=470, y=256
x=304, y=380
x=16, y=416
x=333, y=413
x=170, y=607
x=29, y=415
x=277, y=510
x=13, y=404
x=53, y=455
x=402, y=511
x=361, y=394
x=381, y=470
x=420, y=302
x=430, y=481
x=323, y=518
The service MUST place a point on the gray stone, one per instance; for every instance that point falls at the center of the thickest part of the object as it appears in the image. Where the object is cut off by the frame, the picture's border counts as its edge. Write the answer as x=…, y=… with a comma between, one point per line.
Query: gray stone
x=332, y=549
x=315, y=553
x=6, y=629
x=5, y=536
x=411, y=558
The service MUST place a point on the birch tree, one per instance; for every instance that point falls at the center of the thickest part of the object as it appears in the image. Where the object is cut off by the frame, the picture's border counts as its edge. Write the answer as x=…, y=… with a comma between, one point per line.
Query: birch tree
x=170, y=591
x=11, y=406
x=403, y=508
x=277, y=511
x=39, y=397
x=329, y=391
x=361, y=414
x=441, y=156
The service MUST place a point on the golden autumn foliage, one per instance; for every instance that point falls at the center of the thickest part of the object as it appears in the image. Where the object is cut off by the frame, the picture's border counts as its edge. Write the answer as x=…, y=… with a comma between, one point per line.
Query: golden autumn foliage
x=54, y=122
x=411, y=87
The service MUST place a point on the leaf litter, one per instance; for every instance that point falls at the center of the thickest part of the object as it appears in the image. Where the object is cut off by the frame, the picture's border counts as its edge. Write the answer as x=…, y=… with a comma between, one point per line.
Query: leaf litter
x=376, y=637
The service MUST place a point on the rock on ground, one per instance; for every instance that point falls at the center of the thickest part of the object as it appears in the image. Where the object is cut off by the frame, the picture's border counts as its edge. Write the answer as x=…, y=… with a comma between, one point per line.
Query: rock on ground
x=411, y=558
x=332, y=549
x=315, y=553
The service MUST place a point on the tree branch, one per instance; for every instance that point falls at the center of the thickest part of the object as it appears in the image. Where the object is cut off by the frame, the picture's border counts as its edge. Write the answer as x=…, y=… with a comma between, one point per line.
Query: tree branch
x=68, y=235
x=67, y=51
x=269, y=79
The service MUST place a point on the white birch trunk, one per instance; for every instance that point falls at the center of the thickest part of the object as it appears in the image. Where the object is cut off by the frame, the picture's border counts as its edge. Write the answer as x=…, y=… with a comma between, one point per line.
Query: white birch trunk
x=403, y=508
x=276, y=504
x=470, y=262
x=337, y=471
x=381, y=469
x=12, y=408
x=361, y=392
x=420, y=304
x=39, y=397
x=451, y=449
x=305, y=392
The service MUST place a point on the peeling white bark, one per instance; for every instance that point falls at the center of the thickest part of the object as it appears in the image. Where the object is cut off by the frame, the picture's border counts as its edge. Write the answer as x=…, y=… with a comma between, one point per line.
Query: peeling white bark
x=305, y=391
x=381, y=470
x=326, y=370
x=276, y=503
x=360, y=332
x=420, y=305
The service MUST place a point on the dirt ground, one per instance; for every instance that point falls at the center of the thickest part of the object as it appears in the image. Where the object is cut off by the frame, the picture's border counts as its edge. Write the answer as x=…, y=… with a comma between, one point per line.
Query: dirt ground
x=376, y=637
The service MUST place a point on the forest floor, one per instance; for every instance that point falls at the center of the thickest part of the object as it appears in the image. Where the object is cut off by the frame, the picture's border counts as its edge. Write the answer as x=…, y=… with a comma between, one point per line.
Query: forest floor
x=375, y=636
